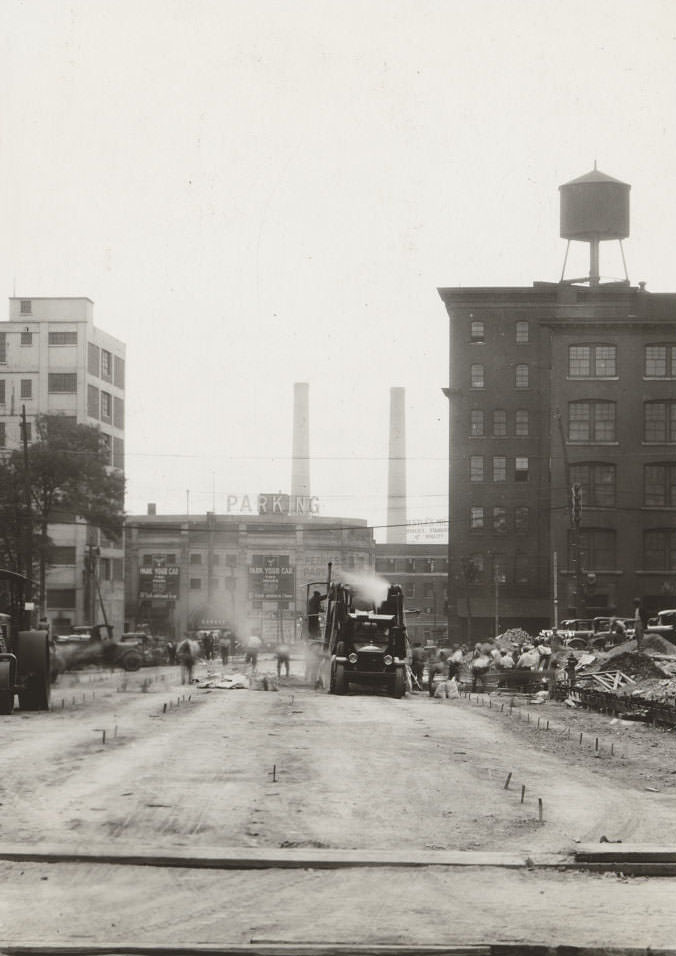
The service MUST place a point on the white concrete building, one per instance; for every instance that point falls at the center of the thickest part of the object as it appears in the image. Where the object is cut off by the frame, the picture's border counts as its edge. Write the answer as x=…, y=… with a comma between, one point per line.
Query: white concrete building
x=53, y=360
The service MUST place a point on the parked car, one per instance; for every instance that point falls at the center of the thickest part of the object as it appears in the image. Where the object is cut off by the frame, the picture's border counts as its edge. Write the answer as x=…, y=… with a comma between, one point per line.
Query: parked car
x=664, y=625
x=93, y=647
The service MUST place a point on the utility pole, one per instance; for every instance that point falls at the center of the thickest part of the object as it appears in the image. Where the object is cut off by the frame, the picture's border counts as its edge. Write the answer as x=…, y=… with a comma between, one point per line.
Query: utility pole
x=575, y=515
x=28, y=523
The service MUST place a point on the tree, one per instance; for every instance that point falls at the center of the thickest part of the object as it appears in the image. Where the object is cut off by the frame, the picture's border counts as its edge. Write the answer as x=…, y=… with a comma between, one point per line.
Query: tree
x=67, y=468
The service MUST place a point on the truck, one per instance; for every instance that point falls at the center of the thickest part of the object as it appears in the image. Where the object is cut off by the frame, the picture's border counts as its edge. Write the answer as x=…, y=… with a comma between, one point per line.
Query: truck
x=364, y=641
x=24, y=652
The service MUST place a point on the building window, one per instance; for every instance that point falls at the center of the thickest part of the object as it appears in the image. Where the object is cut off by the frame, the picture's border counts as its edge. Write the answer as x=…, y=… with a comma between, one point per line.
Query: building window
x=409, y=590
x=3, y=348
x=93, y=359
x=477, y=376
x=118, y=453
x=499, y=423
x=410, y=565
x=3, y=436
x=521, y=423
x=26, y=388
x=659, y=549
x=170, y=559
x=231, y=560
x=105, y=569
x=62, y=338
x=521, y=376
x=521, y=568
x=477, y=422
x=195, y=584
x=597, y=549
x=195, y=557
x=659, y=485
x=591, y=421
x=147, y=561
x=62, y=598
x=521, y=518
x=106, y=407
x=474, y=569
x=118, y=412
x=61, y=383
x=659, y=422
x=520, y=469
x=106, y=365
x=107, y=448
x=500, y=520
x=499, y=468
x=26, y=307
x=476, y=518
x=476, y=468
x=499, y=569
x=660, y=361
x=2, y=391
x=592, y=361
x=92, y=401
x=26, y=338
x=477, y=331
x=521, y=329
x=597, y=482
x=118, y=569
x=118, y=371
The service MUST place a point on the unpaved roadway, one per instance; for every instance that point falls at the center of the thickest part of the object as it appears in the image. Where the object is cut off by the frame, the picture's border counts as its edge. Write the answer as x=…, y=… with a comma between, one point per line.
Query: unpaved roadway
x=299, y=769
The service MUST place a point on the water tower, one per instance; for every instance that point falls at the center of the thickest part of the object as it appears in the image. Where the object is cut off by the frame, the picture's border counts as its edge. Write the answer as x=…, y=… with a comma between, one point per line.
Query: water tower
x=594, y=209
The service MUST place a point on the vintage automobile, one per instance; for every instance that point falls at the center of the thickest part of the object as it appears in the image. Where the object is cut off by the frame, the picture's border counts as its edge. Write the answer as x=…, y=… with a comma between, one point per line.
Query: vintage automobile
x=93, y=646
x=664, y=625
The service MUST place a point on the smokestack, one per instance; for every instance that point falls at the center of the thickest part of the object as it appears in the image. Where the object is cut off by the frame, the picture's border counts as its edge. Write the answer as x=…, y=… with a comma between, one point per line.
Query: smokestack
x=300, y=466
x=396, y=476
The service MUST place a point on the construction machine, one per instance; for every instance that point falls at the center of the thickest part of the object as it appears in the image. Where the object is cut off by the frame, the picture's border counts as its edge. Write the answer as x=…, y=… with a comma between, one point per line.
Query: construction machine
x=24, y=654
x=364, y=640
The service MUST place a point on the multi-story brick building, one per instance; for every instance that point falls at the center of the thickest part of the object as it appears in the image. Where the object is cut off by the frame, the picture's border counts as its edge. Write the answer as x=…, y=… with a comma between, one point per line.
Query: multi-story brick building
x=553, y=387
x=53, y=360
x=422, y=571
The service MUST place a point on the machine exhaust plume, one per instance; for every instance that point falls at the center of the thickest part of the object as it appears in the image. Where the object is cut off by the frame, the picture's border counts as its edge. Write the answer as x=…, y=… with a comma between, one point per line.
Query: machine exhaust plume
x=368, y=587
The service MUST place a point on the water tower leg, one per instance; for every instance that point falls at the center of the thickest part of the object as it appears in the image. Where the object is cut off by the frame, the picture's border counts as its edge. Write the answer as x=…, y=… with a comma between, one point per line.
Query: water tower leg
x=594, y=274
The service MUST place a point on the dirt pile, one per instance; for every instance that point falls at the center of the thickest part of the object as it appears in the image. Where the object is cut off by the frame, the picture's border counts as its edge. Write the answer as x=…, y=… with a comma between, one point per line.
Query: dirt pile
x=638, y=666
x=655, y=642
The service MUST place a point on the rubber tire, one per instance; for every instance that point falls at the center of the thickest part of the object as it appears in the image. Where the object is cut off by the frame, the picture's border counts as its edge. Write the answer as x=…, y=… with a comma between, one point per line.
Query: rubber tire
x=33, y=659
x=339, y=682
x=398, y=683
x=6, y=701
x=131, y=662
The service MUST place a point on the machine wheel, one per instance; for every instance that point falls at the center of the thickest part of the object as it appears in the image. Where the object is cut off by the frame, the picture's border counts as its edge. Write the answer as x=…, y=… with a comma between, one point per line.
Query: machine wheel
x=34, y=669
x=6, y=701
x=398, y=683
x=339, y=682
x=131, y=662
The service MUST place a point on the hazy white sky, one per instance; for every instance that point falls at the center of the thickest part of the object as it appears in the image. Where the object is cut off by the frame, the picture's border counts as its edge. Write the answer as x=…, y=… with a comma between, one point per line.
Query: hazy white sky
x=256, y=193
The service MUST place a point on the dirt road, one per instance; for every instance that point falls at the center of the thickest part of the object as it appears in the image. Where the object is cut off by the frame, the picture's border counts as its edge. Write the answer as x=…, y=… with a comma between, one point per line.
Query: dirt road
x=230, y=769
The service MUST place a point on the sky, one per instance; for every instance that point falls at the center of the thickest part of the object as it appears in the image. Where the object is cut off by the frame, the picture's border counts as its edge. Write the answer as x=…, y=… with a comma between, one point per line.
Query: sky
x=258, y=193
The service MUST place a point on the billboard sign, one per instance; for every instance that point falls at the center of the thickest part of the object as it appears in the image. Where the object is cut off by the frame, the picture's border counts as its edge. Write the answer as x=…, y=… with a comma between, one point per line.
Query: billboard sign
x=158, y=582
x=271, y=578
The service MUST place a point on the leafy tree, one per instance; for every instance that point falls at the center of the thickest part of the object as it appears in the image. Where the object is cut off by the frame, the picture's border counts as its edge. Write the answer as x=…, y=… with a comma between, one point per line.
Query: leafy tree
x=69, y=479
